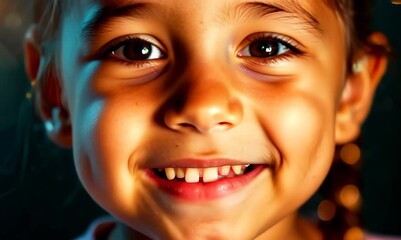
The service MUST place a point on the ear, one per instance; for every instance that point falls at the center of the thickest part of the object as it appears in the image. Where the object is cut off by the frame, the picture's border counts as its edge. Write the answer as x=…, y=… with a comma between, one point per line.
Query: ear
x=49, y=100
x=359, y=91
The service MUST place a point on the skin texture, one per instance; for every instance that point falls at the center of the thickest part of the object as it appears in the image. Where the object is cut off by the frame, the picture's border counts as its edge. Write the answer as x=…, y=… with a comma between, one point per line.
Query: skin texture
x=204, y=98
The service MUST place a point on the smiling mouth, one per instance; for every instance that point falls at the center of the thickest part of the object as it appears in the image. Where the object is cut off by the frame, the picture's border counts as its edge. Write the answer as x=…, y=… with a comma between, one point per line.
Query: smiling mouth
x=205, y=183
x=206, y=175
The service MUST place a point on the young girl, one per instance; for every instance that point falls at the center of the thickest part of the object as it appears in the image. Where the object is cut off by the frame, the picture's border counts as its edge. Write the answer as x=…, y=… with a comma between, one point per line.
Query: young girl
x=204, y=119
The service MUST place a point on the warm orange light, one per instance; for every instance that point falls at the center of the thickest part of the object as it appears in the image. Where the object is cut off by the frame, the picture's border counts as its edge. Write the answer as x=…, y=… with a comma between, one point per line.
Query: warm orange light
x=353, y=233
x=350, y=153
x=326, y=210
x=350, y=197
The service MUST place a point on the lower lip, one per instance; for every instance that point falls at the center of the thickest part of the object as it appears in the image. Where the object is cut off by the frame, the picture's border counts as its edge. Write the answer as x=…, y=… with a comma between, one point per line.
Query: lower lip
x=206, y=191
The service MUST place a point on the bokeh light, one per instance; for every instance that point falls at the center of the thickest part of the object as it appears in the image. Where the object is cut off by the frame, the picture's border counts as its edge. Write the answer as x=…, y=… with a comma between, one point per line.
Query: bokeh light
x=326, y=210
x=350, y=197
x=353, y=233
x=350, y=153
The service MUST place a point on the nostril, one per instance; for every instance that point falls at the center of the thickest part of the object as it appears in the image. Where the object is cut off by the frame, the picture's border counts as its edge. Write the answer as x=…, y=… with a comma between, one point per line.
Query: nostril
x=205, y=128
x=186, y=125
x=221, y=126
x=206, y=116
x=192, y=127
x=225, y=125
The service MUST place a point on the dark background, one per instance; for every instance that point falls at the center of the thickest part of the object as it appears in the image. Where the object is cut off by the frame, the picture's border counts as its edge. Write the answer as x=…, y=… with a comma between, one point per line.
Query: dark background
x=381, y=136
x=41, y=196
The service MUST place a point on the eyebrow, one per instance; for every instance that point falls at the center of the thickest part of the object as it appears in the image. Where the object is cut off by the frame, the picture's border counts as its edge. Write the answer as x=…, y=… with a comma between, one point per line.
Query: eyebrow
x=296, y=13
x=100, y=17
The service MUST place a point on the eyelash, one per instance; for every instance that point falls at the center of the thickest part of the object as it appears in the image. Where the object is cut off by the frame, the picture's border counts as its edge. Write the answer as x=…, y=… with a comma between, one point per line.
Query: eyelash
x=292, y=45
x=115, y=44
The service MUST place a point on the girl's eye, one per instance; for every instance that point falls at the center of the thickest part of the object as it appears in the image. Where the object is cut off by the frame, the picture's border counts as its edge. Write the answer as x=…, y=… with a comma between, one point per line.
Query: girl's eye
x=268, y=46
x=264, y=49
x=137, y=49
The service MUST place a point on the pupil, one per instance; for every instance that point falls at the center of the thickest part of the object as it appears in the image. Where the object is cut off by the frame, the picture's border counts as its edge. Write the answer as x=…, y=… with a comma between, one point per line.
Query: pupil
x=263, y=49
x=137, y=50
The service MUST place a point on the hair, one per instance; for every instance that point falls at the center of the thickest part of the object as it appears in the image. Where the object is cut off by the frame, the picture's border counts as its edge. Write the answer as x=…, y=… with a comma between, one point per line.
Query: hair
x=357, y=17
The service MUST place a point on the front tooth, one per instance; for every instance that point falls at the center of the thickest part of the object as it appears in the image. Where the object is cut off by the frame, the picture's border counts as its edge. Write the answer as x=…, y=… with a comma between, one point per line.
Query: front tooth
x=225, y=170
x=180, y=173
x=237, y=169
x=210, y=174
x=170, y=173
x=192, y=175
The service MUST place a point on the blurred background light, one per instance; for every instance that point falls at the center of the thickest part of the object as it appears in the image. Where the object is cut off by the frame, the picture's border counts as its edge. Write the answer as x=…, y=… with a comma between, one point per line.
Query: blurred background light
x=350, y=197
x=354, y=233
x=326, y=210
x=350, y=153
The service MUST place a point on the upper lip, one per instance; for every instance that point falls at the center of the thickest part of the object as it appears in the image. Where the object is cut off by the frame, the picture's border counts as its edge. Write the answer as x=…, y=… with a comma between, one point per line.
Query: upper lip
x=203, y=163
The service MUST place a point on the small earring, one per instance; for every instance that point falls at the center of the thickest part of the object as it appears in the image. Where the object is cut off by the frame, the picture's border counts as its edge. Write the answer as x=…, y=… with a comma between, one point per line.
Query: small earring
x=55, y=122
x=49, y=126
x=358, y=66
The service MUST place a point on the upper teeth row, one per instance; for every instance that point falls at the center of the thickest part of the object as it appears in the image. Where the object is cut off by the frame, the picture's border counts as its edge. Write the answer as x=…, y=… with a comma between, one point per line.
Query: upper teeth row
x=192, y=175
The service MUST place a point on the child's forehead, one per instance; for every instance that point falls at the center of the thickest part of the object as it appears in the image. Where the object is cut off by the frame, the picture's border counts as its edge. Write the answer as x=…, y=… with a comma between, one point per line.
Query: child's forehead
x=303, y=13
x=306, y=9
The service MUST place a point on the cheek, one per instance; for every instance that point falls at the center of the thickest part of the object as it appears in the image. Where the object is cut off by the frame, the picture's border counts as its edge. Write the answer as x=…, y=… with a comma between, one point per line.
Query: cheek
x=300, y=125
x=107, y=139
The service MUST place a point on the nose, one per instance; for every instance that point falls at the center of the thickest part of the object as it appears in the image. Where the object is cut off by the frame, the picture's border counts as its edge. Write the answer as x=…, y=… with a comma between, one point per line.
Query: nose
x=203, y=107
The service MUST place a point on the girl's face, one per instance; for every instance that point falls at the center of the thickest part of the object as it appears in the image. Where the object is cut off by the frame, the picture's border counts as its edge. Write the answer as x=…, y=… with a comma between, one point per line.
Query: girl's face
x=203, y=119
